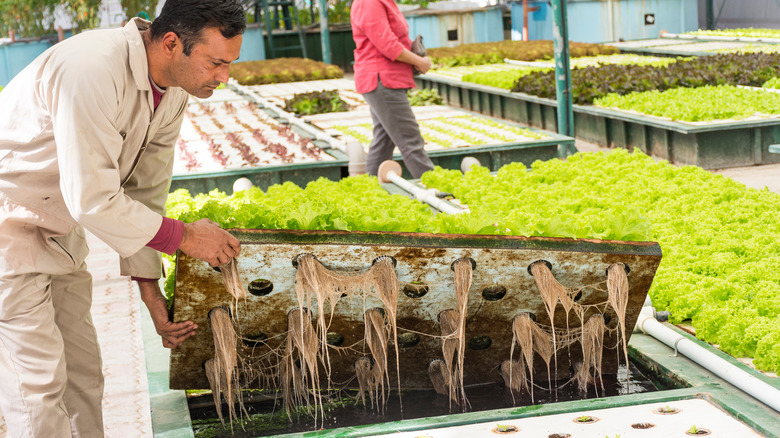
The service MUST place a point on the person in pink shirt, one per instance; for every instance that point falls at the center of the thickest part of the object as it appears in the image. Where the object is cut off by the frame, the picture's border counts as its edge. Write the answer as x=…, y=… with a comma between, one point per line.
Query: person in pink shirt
x=383, y=73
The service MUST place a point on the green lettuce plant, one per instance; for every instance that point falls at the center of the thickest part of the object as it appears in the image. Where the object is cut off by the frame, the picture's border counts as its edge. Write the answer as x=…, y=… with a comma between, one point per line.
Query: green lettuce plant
x=697, y=104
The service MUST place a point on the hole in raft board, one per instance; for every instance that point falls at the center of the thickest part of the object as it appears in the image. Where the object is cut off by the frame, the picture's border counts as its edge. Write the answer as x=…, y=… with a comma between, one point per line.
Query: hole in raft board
x=494, y=292
x=255, y=340
x=415, y=289
x=408, y=340
x=642, y=425
x=480, y=342
x=335, y=339
x=667, y=410
x=260, y=287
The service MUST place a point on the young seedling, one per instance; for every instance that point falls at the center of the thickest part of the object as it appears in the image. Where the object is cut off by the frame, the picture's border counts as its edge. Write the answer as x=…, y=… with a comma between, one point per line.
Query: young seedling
x=697, y=431
x=585, y=419
x=667, y=410
x=505, y=428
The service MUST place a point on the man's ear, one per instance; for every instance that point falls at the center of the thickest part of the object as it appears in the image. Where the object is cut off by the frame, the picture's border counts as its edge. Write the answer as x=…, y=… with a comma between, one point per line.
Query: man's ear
x=171, y=43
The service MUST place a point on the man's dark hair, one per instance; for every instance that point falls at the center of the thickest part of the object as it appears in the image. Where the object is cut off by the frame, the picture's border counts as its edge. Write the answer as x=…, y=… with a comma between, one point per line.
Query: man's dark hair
x=187, y=18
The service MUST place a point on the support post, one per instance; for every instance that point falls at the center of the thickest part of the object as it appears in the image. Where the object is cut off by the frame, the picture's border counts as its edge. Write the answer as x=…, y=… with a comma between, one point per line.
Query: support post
x=525, y=20
x=563, y=74
x=325, y=32
x=710, y=13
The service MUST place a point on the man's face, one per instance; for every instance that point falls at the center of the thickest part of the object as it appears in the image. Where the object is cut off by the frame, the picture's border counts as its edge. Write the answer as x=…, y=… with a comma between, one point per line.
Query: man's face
x=207, y=65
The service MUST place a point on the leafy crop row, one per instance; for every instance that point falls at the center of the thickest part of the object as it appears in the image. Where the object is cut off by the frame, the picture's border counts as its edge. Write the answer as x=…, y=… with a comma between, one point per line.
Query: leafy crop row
x=457, y=131
x=772, y=83
x=505, y=79
x=591, y=83
x=272, y=71
x=506, y=75
x=423, y=97
x=316, y=102
x=697, y=104
x=749, y=48
x=458, y=72
x=495, y=52
x=720, y=239
x=740, y=32
x=360, y=203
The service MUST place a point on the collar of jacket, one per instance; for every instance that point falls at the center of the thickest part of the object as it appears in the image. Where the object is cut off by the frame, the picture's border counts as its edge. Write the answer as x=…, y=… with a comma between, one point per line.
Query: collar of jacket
x=139, y=64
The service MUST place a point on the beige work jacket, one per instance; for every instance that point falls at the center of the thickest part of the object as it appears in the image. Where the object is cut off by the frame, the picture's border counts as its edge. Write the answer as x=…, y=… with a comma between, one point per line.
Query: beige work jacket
x=80, y=143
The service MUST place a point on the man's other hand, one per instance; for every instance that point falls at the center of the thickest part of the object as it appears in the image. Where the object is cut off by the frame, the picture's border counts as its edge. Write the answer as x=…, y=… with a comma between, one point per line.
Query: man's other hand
x=172, y=333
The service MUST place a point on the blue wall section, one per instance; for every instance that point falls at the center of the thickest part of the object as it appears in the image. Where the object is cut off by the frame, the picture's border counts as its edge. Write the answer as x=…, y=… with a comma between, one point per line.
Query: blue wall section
x=589, y=20
x=428, y=27
x=252, y=46
x=14, y=57
x=488, y=26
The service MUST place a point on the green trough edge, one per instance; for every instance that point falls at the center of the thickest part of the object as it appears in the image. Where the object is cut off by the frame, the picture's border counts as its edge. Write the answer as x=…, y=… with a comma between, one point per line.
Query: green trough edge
x=445, y=240
x=340, y=160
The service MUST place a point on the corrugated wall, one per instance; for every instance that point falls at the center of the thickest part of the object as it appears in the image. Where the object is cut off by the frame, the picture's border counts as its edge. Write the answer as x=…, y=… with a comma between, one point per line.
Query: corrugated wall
x=743, y=13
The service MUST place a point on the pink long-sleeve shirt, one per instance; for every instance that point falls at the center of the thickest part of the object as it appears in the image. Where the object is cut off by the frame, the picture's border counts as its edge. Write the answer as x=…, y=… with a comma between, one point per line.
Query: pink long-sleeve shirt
x=381, y=33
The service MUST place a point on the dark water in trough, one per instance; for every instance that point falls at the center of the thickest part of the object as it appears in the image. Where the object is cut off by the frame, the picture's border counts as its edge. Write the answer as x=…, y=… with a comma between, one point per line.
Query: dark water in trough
x=268, y=418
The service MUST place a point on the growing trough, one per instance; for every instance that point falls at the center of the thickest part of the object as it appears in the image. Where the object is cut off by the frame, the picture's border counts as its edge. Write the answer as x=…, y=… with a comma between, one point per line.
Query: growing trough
x=713, y=145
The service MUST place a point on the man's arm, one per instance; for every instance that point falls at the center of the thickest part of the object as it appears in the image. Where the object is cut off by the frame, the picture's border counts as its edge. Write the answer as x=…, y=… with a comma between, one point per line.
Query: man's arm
x=172, y=333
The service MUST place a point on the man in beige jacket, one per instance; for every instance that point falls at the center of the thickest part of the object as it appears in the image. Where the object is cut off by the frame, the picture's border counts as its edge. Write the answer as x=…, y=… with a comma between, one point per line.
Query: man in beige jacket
x=87, y=132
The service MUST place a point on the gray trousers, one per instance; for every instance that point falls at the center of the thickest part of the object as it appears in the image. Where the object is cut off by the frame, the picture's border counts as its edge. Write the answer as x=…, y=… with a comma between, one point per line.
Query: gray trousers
x=395, y=125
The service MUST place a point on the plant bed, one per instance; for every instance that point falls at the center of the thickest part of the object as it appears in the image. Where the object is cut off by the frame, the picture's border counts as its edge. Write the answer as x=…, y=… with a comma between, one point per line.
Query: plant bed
x=711, y=146
x=452, y=134
x=718, y=236
x=493, y=52
x=483, y=73
x=698, y=105
x=316, y=102
x=593, y=82
x=278, y=94
x=221, y=141
x=750, y=32
x=279, y=70
x=686, y=47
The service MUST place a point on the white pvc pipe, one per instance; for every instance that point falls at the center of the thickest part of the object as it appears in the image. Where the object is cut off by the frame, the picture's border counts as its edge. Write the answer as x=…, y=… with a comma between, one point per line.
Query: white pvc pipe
x=424, y=195
x=357, y=158
x=762, y=391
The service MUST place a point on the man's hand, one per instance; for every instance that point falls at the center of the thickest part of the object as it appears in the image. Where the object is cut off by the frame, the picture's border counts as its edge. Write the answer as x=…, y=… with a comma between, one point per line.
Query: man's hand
x=172, y=333
x=206, y=241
